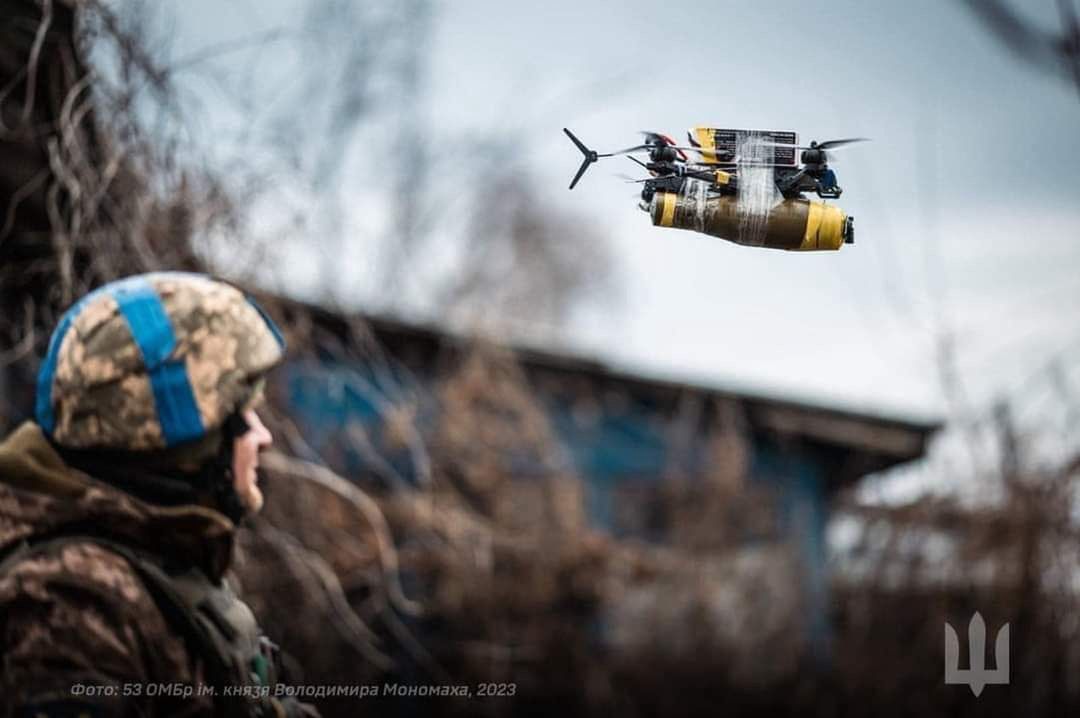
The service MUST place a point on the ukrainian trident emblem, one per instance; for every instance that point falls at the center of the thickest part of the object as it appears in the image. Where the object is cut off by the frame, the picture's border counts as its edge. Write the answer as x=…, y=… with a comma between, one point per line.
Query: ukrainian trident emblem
x=978, y=675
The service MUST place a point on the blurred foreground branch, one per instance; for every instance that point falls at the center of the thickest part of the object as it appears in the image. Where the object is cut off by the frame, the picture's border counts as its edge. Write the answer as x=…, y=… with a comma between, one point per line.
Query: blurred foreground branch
x=1054, y=53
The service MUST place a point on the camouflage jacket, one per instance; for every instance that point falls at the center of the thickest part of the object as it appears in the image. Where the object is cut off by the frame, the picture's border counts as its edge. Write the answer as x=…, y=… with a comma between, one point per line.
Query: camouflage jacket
x=79, y=631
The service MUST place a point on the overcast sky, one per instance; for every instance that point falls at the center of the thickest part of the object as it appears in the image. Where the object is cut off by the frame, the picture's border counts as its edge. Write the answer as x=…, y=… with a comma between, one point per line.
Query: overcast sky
x=965, y=202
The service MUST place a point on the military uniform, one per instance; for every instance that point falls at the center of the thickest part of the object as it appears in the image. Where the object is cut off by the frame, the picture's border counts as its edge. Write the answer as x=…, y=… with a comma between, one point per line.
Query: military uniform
x=113, y=597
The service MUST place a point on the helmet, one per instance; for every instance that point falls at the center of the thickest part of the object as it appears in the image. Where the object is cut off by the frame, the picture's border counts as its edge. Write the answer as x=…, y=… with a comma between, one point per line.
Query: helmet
x=153, y=361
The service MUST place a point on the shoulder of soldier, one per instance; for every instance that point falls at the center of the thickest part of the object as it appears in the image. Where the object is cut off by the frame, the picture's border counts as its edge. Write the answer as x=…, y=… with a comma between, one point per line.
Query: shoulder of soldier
x=81, y=587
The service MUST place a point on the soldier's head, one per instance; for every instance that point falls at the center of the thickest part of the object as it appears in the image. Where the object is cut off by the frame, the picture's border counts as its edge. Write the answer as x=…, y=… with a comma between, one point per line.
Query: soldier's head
x=152, y=383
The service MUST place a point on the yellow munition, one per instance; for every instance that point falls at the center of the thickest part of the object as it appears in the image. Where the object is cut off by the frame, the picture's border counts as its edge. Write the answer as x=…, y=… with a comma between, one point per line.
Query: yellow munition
x=792, y=224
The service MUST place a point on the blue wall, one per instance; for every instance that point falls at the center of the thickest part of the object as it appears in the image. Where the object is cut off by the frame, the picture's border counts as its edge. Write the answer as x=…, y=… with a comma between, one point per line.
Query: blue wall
x=610, y=448
x=804, y=517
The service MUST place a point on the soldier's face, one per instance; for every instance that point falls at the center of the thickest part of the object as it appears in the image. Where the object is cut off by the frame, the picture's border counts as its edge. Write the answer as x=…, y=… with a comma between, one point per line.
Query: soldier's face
x=246, y=461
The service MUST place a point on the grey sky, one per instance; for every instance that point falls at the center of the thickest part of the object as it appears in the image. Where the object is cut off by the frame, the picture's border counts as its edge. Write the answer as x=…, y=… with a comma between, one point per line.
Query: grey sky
x=962, y=201
x=965, y=202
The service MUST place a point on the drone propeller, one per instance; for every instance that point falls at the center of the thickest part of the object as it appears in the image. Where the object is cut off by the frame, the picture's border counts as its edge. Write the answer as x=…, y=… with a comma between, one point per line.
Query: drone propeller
x=826, y=145
x=656, y=138
x=590, y=156
x=635, y=148
x=834, y=144
x=654, y=141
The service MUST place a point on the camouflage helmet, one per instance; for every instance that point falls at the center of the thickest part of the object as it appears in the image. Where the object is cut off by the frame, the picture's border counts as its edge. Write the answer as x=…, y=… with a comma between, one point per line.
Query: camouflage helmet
x=153, y=361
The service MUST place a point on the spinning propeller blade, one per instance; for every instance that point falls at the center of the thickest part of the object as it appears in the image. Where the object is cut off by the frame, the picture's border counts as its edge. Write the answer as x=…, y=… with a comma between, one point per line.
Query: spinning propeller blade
x=832, y=144
x=826, y=145
x=636, y=148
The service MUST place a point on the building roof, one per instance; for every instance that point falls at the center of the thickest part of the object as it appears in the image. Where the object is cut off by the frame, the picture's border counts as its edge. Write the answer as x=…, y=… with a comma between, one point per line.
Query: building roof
x=852, y=443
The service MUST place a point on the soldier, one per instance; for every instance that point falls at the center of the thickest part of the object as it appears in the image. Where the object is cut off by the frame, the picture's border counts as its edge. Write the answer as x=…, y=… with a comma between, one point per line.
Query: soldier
x=119, y=505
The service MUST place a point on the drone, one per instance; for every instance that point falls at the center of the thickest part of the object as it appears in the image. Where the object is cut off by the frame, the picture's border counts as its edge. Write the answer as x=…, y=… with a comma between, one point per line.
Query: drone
x=718, y=162
x=697, y=186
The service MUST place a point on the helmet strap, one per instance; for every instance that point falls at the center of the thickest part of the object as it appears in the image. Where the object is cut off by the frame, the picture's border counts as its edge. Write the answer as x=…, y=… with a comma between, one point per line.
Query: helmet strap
x=216, y=475
x=110, y=467
x=211, y=484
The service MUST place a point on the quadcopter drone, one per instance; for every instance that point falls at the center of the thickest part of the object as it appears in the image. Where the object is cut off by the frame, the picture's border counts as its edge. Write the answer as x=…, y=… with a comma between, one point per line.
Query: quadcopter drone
x=718, y=161
x=718, y=185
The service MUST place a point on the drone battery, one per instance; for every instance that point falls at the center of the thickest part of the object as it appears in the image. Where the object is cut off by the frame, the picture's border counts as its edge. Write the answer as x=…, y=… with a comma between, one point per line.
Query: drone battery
x=792, y=224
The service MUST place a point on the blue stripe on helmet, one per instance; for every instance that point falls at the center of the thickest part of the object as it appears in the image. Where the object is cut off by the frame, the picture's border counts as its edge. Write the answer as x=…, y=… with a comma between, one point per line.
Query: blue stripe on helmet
x=175, y=401
x=152, y=331
x=43, y=408
x=43, y=404
x=274, y=329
